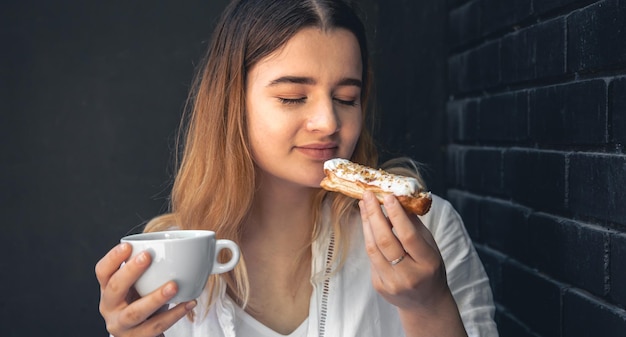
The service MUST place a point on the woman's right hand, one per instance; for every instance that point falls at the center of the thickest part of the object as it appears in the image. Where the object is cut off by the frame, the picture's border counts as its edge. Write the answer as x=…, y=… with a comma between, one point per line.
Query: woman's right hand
x=124, y=312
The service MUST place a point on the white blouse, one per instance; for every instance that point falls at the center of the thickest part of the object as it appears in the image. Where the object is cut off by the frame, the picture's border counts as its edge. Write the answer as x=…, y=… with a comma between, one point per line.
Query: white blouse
x=347, y=305
x=246, y=325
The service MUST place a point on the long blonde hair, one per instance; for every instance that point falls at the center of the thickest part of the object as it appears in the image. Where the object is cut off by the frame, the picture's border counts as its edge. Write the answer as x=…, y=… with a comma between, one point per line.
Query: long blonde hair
x=215, y=182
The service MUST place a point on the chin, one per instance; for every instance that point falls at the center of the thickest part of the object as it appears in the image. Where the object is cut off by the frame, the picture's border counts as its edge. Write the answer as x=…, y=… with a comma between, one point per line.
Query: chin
x=314, y=183
x=312, y=180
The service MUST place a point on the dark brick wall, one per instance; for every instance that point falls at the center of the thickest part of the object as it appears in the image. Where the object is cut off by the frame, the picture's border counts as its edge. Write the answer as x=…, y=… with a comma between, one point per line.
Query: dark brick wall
x=536, y=123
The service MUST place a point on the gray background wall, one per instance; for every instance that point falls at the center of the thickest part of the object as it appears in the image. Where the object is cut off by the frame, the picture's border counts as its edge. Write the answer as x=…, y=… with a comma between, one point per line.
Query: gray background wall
x=90, y=98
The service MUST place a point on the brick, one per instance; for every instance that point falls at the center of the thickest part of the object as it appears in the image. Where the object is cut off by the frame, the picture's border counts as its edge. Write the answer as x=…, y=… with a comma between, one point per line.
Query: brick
x=463, y=120
x=573, y=113
x=618, y=269
x=533, y=298
x=454, y=165
x=468, y=206
x=510, y=327
x=504, y=117
x=584, y=315
x=475, y=69
x=617, y=99
x=470, y=120
x=457, y=72
x=537, y=52
x=596, y=36
x=535, y=178
x=554, y=248
x=464, y=24
x=504, y=226
x=482, y=170
x=596, y=186
x=498, y=14
x=454, y=122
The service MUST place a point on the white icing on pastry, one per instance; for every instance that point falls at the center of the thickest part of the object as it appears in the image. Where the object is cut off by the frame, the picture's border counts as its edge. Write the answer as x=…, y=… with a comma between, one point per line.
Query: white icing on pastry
x=398, y=185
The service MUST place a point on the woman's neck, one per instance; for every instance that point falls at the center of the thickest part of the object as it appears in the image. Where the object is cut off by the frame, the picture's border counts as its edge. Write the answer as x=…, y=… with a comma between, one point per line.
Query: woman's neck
x=276, y=246
x=285, y=216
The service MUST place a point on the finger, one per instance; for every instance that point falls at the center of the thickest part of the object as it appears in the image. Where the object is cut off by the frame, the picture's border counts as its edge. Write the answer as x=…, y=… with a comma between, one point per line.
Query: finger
x=378, y=260
x=376, y=257
x=121, y=281
x=385, y=239
x=157, y=324
x=111, y=262
x=411, y=232
x=149, y=305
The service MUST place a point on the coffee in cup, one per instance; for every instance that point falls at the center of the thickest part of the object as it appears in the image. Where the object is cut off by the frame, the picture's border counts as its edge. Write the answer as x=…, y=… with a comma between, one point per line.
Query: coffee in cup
x=186, y=257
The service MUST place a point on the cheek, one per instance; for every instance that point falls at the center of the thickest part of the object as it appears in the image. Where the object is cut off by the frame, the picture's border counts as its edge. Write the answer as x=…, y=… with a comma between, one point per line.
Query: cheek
x=352, y=129
x=258, y=124
x=269, y=133
x=261, y=136
x=267, y=129
x=256, y=134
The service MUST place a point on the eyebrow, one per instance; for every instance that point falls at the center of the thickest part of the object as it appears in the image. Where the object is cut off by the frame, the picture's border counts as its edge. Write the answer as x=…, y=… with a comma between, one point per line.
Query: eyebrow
x=310, y=81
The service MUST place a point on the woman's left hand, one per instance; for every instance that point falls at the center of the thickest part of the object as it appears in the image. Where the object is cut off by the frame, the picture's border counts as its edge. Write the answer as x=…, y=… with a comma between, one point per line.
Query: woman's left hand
x=407, y=267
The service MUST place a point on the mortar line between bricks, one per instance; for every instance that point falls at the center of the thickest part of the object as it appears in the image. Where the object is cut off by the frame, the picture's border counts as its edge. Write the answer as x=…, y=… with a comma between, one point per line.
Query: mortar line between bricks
x=609, y=149
x=616, y=309
x=618, y=71
x=586, y=221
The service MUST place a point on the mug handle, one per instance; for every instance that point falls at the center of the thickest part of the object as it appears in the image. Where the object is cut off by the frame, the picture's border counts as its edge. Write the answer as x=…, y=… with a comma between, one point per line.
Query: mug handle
x=219, y=268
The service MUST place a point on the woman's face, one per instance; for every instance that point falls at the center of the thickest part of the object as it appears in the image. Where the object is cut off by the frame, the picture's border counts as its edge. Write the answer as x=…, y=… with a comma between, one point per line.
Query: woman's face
x=303, y=105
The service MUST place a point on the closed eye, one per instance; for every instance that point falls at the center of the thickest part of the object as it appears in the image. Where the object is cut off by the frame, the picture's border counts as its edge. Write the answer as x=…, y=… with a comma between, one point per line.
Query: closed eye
x=346, y=102
x=288, y=101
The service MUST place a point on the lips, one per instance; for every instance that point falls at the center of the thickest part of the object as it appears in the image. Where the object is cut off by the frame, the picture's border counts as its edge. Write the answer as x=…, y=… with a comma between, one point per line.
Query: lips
x=323, y=151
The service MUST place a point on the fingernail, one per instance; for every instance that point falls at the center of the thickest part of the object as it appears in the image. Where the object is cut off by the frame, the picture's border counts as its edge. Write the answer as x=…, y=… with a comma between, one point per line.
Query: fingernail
x=169, y=290
x=122, y=247
x=191, y=305
x=368, y=196
x=141, y=258
x=389, y=199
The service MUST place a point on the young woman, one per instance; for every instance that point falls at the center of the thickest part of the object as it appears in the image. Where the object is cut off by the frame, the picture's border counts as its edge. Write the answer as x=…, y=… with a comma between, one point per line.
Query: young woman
x=283, y=89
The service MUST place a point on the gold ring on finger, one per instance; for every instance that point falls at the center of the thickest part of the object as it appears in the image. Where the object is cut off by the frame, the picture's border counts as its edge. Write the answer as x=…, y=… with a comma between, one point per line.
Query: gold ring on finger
x=398, y=260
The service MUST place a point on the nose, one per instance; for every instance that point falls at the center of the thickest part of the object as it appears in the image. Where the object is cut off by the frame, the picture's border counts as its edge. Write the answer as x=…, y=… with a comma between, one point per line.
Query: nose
x=324, y=118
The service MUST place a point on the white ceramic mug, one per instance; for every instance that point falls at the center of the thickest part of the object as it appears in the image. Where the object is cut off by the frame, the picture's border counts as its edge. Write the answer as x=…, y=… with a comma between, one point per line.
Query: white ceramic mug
x=187, y=257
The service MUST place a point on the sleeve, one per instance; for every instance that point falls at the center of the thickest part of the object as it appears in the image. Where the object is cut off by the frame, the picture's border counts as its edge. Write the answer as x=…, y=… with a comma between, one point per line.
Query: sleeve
x=466, y=275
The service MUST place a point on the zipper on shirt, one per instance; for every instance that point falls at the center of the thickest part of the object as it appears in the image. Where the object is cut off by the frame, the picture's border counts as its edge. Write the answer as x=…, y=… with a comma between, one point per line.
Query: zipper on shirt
x=326, y=286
